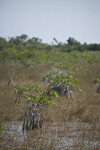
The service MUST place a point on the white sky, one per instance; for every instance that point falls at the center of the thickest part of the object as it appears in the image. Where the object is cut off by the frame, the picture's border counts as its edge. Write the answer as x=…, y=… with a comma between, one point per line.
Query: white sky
x=47, y=19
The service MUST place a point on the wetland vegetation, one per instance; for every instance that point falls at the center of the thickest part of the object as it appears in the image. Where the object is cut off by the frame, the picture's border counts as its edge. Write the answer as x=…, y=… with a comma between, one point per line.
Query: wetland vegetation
x=61, y=78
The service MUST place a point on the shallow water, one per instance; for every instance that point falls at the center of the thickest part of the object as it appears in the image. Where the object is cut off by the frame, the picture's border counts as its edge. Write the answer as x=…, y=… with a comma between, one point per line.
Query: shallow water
x=58, y=136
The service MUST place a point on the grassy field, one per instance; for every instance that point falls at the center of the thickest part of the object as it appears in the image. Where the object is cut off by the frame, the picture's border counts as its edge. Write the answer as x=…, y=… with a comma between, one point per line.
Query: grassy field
x=72, y=120
x=84, y=107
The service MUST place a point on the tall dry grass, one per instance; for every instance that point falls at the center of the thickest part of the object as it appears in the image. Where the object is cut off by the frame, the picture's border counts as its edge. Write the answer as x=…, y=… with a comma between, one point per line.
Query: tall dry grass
x=84, y=107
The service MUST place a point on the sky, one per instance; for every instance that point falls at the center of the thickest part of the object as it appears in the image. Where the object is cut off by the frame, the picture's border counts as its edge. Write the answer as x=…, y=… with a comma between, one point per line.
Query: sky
x=47, y=19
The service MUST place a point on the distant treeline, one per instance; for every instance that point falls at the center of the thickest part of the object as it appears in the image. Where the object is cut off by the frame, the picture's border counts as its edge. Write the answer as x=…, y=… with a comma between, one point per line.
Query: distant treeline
x=23, y=41
x=34, y=51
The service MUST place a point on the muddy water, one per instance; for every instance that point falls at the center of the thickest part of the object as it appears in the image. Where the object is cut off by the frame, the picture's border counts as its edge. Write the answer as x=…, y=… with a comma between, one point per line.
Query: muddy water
x=59, y=136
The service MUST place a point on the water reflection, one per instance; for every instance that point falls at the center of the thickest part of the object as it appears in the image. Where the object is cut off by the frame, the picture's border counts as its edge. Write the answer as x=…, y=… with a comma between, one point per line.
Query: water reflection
x=70, y=135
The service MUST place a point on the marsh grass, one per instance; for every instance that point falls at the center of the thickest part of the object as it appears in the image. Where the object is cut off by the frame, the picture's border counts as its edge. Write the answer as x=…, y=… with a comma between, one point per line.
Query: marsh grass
x=59, y=118
x=84, y=107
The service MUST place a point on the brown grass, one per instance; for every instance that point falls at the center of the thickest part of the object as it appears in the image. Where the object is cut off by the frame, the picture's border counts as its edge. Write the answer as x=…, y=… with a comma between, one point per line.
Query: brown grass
x=84, y=107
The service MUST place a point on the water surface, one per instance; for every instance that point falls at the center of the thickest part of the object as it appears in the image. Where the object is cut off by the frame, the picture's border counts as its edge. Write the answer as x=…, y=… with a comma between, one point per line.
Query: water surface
x=58, y=136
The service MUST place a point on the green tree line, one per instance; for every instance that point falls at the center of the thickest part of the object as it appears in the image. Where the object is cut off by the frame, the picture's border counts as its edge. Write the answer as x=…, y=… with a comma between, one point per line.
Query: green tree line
x=33, y=50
